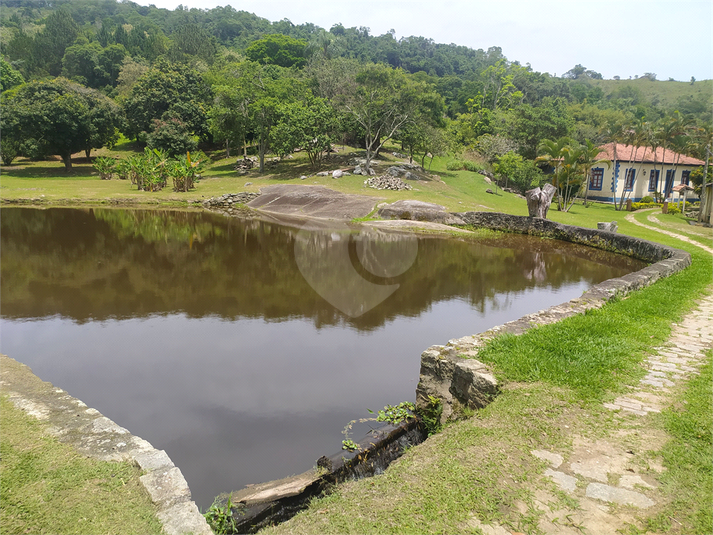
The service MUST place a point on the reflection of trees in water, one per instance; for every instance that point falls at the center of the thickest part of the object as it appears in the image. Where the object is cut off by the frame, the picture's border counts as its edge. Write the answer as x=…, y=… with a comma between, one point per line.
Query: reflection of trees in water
x=103, y=263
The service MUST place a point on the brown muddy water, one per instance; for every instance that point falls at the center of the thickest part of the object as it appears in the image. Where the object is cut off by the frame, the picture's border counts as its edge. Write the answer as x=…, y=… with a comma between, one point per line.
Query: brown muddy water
x=243, y=348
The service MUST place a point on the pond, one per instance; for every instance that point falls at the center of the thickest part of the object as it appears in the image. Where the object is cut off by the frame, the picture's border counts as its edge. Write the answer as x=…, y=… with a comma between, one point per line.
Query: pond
x=243, y=347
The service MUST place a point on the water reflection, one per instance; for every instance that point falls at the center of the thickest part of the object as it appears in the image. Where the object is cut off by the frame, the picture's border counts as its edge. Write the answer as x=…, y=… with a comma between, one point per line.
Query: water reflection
x=202, y=335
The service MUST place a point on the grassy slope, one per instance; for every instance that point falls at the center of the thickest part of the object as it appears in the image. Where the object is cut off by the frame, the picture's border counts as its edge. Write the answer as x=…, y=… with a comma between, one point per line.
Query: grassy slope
x=47, y=487
x=664, y=93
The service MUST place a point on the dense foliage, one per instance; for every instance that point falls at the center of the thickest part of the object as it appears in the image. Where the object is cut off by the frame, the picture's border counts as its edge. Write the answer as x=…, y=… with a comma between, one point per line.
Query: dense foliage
x=222, y=76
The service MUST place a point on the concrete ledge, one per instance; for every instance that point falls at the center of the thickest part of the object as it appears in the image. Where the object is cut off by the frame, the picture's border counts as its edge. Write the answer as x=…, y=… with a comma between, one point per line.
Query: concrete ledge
x=98, y=437
x=442, y=372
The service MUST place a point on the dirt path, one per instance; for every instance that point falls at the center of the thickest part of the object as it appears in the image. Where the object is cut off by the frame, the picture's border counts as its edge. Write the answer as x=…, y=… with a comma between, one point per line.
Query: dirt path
x=652, y=218
x=607, y=477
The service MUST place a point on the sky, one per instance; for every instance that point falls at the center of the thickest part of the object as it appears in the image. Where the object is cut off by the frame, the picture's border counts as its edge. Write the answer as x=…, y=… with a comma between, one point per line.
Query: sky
x=672, y=39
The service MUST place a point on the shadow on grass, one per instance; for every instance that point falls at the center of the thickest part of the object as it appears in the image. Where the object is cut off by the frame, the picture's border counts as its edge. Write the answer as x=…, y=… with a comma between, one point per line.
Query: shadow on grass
x=50, y=171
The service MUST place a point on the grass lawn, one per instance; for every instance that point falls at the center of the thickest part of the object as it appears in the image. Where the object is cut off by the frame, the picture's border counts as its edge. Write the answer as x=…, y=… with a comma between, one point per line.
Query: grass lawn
x=555, y=377
x=47, y=487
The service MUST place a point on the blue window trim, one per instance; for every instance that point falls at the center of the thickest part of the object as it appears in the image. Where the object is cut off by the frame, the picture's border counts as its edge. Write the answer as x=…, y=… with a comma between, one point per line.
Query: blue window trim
x=670, y=179
x=630, y=174
x=654, y=179
x=597, y=186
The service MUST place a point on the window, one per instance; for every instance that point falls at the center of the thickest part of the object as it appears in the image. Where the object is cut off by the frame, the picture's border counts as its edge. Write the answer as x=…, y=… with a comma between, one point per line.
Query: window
x=595, y=183
x=670, y=176
x=629, y=181
x=685, y=177
x=654, y=180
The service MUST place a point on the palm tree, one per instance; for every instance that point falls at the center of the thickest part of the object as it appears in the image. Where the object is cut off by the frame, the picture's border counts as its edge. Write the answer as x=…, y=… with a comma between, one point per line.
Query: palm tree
x=703, y=149
x=613, y=133
x=636, y=137
x=669, y=129
x=552, y=153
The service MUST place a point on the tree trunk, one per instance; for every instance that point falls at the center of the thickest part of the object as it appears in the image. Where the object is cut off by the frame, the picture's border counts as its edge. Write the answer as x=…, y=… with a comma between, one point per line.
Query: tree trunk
x=539, y=200
x=67, y=159
x=703, y=188
x=227, y=148
x=87, y=152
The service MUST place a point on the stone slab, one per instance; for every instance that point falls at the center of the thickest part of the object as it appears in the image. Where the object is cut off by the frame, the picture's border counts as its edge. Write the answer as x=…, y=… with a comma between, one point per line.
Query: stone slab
x=555, y=459
x=566, y=482
x=611, y=494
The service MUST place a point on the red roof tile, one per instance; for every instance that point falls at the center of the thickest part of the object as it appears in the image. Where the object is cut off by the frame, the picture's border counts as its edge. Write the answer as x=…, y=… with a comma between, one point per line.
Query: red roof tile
x=629, y=153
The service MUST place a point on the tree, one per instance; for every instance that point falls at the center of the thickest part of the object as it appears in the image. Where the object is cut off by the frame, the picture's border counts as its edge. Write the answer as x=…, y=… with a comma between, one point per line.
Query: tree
x=49, y=46
x=171, y=136
x=164, y=92
x=227, y=118
x=310, y=125
x=58, y=117
x=563, y=156
x=381, y=104
x=9, y=77
x=524, y=174
x=277, y=49
x=528, y=125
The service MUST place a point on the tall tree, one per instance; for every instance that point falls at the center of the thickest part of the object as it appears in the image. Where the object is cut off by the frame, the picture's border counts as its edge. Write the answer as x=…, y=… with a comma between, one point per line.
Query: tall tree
x=59, y=117
x=168, y=91
x=49, y=47
x=383, y=102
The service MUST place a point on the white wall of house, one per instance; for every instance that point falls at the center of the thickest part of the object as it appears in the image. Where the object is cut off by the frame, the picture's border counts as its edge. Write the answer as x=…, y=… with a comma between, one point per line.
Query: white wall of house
x=607, y=183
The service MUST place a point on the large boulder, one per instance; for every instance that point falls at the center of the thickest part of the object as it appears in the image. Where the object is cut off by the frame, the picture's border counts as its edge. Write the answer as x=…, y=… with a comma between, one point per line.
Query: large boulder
x=418, y=211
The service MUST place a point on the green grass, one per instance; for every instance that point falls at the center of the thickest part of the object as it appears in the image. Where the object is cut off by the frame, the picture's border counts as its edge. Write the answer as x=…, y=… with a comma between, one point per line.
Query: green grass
x=48, y=487
x=476, y=467
x=665, y=93
x=600, y=351
x=687, y=457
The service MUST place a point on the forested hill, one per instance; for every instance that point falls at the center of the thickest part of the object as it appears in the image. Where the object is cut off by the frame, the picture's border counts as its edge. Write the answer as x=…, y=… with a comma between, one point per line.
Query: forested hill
x=221, y=75
x=187, y=35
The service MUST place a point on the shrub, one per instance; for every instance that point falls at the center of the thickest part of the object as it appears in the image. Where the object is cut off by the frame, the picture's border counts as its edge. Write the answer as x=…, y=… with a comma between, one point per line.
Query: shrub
x=523, y=174
x=455, y=165
x=673, y=209
x=105, y=166
x=9, y=150
x=171, y=136
x=642, y=205
x=646, y=200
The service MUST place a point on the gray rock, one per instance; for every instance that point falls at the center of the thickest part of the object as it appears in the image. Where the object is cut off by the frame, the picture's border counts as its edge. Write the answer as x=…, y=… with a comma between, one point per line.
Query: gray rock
x=608, y=227
x=417, y=211
x=490, y=191
x=555, y=459
x=611, y=494
x=456, y=381
x=386, y=182
x=337, y=174
x=566, y=482
x=248, y=184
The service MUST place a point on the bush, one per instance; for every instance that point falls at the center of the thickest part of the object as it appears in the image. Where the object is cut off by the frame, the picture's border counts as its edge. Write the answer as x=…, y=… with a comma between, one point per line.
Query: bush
x=171, y=136
x=105, y=166
x=464, y=165
x=9, y=150
x=646, y=200
x=642, y=205
x=673, y=209
x=521, y=173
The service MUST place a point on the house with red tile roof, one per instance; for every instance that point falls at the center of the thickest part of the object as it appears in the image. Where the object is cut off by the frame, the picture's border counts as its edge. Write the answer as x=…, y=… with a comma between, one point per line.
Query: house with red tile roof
x=636, y=173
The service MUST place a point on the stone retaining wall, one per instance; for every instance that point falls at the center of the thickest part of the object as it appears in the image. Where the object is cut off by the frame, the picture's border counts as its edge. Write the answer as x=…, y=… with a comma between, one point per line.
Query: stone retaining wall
x=96, y=436
x=452, y=372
